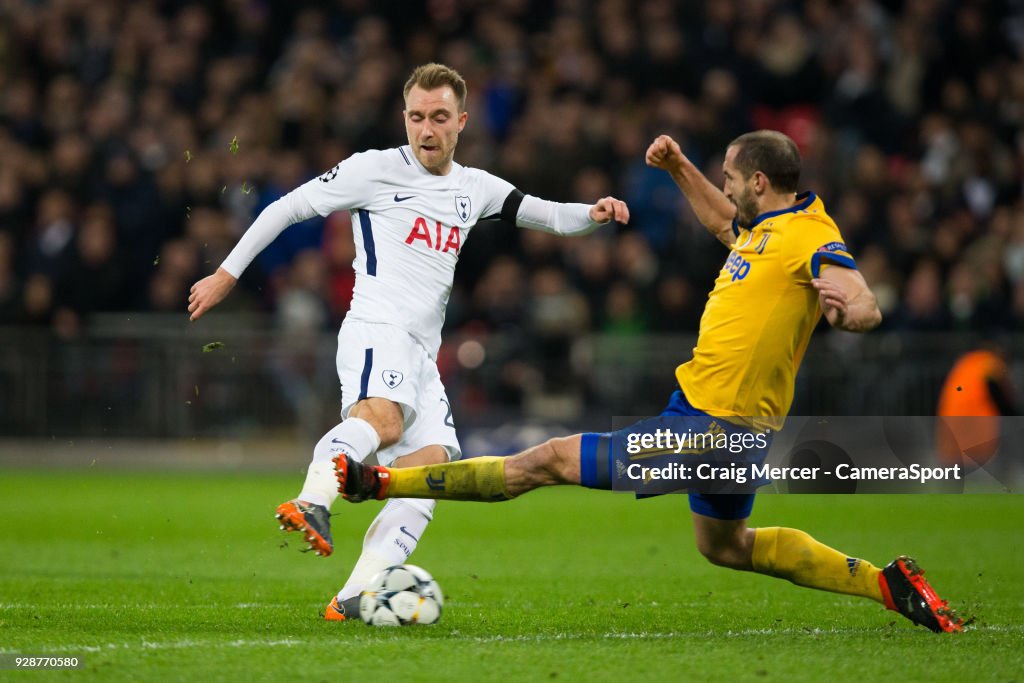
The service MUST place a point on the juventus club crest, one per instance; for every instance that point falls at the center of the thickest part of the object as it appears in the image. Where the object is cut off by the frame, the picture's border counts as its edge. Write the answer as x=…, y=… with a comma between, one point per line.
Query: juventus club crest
x=392, y=378
x=463, y=207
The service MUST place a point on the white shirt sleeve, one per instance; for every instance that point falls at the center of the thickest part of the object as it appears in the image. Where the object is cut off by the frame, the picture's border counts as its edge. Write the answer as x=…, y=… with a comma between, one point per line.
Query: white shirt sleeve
x=348, y=185
x=496, y=190
x=554, y=217
x=288, y=210
x=345, y=186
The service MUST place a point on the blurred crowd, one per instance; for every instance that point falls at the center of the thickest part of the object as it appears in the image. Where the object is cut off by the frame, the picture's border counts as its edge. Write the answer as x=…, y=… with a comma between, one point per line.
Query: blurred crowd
x=139, y=139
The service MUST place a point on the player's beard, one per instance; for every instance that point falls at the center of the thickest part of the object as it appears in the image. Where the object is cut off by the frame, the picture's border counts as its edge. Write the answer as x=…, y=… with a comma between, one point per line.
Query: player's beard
x=746, y=208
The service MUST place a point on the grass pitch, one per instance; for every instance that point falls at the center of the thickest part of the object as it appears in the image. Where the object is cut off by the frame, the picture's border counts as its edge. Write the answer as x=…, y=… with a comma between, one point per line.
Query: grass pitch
x=185, y=577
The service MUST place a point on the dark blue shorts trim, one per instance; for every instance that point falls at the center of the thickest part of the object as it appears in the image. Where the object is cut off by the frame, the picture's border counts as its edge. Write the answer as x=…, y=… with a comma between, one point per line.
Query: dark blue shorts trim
x=588, y=460
x=595, y=460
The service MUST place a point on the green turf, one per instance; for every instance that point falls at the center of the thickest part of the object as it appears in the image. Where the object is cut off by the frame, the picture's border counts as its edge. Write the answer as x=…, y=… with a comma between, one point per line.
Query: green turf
x=185, y=577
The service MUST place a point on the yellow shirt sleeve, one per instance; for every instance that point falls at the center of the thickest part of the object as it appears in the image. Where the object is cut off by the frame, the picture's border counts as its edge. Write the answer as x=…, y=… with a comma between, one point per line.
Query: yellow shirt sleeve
x=811, y=244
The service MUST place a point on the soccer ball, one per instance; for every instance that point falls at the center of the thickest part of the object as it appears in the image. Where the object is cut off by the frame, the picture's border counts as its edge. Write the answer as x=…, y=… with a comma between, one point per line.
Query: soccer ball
x=401, y=595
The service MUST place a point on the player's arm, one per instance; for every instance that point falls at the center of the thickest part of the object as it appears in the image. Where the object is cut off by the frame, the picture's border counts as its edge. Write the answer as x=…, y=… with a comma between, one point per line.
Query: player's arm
x=557, y=218
x=211, y=290
x=713, y=210
x=846, y=300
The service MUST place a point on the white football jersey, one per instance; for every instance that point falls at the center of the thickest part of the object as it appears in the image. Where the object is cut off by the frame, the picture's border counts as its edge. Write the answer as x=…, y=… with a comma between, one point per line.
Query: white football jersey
x=409, y=227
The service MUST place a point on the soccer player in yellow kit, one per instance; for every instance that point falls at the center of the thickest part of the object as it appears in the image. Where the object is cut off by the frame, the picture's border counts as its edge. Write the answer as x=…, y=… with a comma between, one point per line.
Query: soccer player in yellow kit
x=787, y=266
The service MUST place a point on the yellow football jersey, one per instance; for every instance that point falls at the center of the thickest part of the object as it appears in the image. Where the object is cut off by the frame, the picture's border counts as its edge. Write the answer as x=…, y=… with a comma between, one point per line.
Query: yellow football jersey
x=761, y=312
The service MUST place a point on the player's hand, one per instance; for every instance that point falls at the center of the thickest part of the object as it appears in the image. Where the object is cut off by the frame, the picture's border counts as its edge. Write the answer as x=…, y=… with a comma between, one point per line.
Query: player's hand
x=209, y=292
x=832, y=299
x=609, y=209
x=664, y=153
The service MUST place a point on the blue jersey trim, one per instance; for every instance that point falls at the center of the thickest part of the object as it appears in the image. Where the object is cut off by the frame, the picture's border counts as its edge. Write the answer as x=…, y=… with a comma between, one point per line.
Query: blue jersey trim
x=803, y=200
x=837, y=259
x=364, y=381
x=402, y=152
x=371, y=250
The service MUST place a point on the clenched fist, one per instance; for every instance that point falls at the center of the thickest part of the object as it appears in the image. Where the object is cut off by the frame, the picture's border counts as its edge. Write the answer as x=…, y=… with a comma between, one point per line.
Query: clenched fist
x=609, y=209
x=664, y=153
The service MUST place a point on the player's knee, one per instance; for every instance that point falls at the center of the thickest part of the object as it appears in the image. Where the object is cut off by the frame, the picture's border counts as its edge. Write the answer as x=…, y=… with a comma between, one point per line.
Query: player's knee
x=537, y=465
x=715, y=554
x=731, y=547
x=721, y=553
x=389, y=431
x=384, y=416
x=561, y=459
x=429, y=455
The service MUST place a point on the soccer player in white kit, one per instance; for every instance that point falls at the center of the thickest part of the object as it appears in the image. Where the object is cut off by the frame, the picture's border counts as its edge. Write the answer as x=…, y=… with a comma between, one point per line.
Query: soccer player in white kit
x=412, y=209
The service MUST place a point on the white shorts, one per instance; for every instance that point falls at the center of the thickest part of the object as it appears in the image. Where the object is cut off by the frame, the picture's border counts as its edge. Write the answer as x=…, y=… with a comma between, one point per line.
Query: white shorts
x=382, y=361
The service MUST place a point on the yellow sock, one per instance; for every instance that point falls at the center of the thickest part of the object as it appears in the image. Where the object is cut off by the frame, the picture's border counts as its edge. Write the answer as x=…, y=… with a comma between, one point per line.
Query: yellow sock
x=793, y=555
x=480, y=479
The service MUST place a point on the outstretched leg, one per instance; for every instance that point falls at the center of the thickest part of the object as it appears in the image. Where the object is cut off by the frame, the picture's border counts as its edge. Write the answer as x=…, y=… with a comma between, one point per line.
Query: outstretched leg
x=487, y=479
x=720, y=524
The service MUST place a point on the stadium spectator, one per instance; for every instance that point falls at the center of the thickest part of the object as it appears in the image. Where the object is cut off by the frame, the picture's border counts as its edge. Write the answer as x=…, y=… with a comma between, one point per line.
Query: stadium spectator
x=90, y=276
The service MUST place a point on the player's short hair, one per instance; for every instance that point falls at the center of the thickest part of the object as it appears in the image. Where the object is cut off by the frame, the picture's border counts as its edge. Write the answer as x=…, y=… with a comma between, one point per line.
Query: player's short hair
x=772, y=153
x=432, y=76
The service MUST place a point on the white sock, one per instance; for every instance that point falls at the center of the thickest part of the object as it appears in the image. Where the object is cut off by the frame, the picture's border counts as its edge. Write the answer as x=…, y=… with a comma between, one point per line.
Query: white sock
x=390, y=540
x=353, y=437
